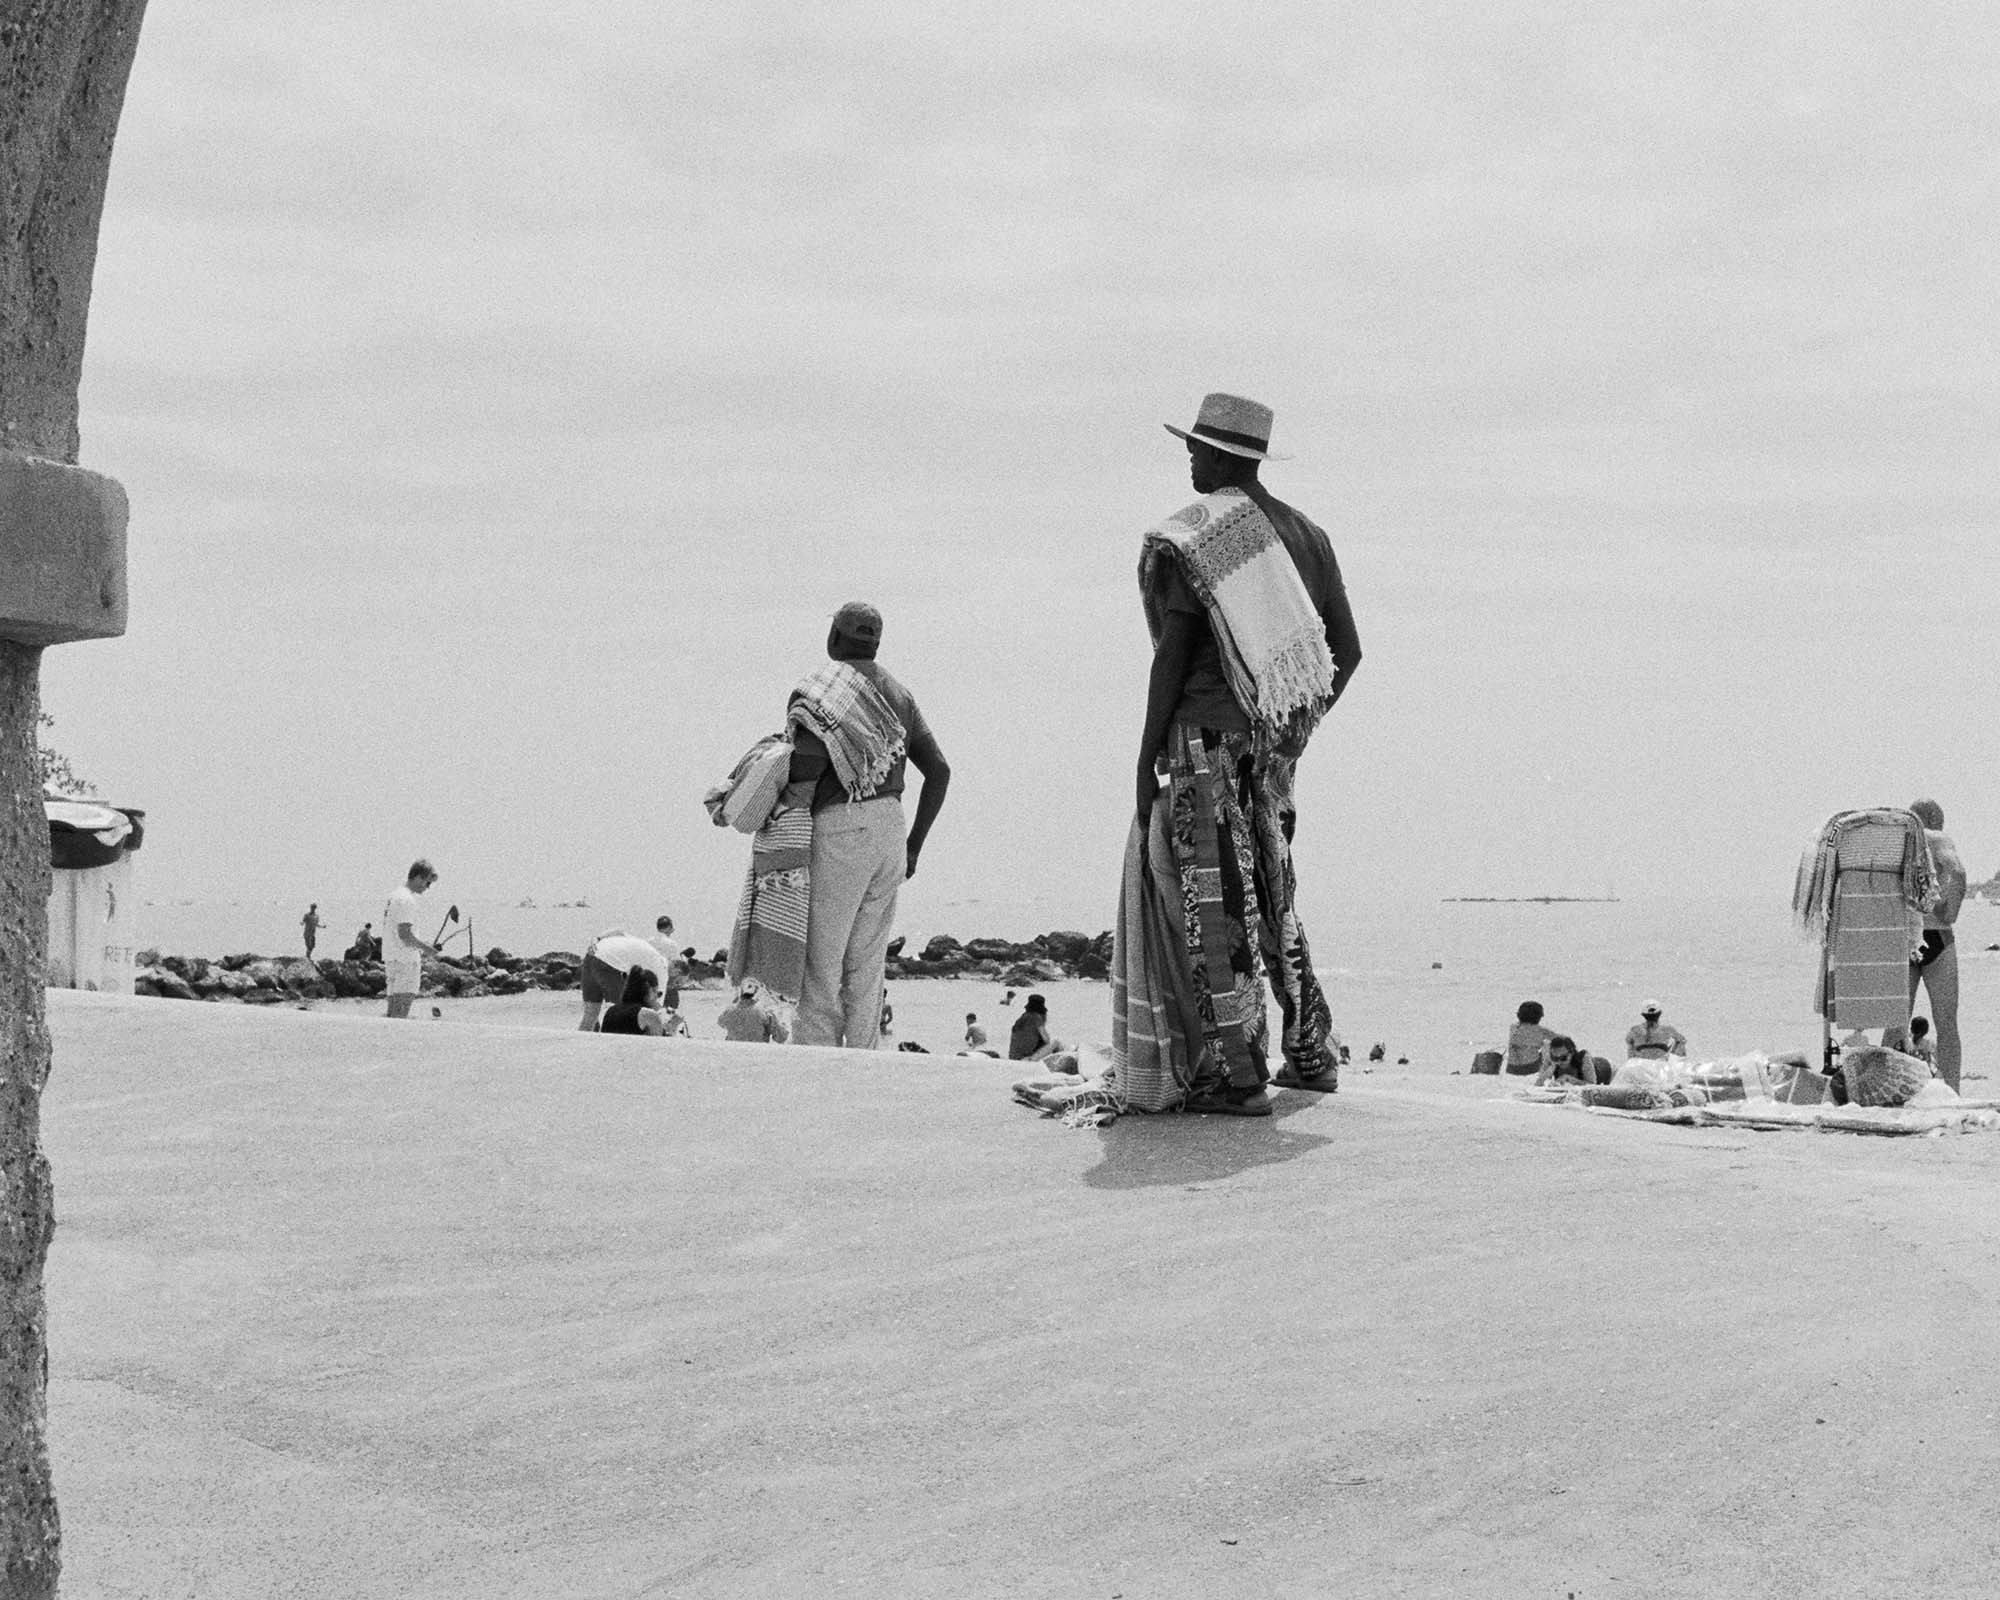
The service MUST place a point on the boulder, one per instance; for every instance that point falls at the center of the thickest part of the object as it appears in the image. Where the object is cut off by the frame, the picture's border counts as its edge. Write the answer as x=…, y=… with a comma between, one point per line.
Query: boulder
x=1092, y=965
x=942, y=945
x=496, y=957
x=1020, y=976
x=193, y=968
x=349, y=979
x=163, y=982
x=227, y=981
x=266, y=997
x=994, y=950
x=1066, y=947
x=238, y=962
x=506, y=981
x=146, y=958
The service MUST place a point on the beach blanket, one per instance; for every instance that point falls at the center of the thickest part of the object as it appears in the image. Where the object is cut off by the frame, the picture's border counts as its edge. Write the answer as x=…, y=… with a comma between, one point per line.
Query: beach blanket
x=768, y=942
x=860, y=729
x=1936, y=1111
x=1272, y=641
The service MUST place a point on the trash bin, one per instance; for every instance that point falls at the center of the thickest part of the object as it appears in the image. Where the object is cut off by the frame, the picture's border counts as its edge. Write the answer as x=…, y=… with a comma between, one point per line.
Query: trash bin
x=91, y=909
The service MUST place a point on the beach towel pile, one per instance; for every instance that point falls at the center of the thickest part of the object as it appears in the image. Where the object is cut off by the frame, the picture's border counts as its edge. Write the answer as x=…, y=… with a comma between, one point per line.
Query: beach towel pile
x=1863, y=887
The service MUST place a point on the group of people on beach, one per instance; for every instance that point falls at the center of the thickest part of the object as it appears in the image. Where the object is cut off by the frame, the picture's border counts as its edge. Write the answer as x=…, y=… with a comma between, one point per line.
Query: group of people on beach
x=1253, y=642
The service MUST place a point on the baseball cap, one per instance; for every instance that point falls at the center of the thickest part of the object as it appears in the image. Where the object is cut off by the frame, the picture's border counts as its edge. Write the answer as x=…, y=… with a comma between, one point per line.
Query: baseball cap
x=859, y=621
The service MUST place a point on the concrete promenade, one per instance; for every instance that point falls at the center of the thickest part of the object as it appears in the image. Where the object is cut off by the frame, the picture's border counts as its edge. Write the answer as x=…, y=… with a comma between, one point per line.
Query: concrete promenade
x=340, y=1307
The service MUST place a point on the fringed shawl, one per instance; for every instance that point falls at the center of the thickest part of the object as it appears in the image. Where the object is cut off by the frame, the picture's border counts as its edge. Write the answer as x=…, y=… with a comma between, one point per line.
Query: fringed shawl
x=860, y=729
x=1272, y=641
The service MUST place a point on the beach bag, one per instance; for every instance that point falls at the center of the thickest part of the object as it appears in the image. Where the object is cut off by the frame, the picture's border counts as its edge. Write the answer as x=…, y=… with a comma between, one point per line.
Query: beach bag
x=1877, y=1076
x=747, y=797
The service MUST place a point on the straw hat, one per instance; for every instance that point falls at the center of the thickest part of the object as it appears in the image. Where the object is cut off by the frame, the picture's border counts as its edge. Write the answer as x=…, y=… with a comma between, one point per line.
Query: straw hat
x=1229, y=422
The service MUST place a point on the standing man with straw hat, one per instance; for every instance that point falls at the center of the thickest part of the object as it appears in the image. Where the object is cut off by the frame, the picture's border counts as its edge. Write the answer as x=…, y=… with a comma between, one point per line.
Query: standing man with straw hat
x=1253, y=641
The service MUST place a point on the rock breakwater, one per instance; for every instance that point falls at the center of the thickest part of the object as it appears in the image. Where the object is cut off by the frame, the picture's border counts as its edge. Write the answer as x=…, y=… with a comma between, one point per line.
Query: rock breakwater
x=251, y=979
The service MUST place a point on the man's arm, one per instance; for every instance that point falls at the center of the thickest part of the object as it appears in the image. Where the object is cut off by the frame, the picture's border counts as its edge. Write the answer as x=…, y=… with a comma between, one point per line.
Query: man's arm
x=1341, y=639
x=929, y=761
x=405, y=934
x=1163, y=692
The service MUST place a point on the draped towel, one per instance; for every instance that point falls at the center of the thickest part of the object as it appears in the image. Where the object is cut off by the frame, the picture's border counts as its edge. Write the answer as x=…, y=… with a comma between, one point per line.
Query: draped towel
x=1272, y=641
x=768, y=942
x=860, y=729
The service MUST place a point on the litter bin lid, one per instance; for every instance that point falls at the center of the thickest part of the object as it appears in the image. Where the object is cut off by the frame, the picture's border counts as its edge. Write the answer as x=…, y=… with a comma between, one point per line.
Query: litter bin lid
x=88, y=833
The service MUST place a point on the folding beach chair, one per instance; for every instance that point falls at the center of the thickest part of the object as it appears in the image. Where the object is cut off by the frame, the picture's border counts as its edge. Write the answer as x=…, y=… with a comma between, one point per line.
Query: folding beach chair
x=1864, y=887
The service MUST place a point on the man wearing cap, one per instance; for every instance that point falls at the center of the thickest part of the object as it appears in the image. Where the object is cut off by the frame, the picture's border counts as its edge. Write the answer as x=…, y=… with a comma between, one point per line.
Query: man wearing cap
x=1253, y=641
x=854, y=728
x=1650, y=1039
x=1934, y=965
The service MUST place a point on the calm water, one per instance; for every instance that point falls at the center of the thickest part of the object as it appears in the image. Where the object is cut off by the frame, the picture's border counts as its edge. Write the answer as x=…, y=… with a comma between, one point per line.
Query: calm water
x=1730, y=974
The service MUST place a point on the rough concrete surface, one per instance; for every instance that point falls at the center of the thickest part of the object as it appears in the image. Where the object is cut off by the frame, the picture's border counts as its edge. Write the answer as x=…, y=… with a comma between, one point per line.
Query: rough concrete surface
x=62, y=552
x=340, y=1306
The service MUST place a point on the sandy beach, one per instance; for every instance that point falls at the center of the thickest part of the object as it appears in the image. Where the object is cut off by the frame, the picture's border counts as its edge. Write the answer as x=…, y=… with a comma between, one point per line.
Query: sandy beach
x=343, y=1307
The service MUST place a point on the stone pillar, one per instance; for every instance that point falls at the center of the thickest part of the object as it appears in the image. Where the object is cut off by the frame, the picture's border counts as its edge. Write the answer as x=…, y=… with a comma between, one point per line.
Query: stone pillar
x=63, y=66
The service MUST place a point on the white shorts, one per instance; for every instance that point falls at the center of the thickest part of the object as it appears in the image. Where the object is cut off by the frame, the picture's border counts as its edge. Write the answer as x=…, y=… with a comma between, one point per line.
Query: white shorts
x=405, y=977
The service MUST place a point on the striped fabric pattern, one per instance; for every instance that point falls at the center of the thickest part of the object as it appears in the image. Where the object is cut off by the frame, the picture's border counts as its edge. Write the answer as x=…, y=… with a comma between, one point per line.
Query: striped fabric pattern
x=1868, y=949
x=768, y=942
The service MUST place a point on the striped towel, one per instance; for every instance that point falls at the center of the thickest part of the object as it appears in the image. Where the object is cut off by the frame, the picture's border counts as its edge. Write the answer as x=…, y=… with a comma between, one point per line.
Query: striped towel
x=1272, y=641
x=768, y=942
x=1868, y=949
x=1156, y=1031
x=860, y=729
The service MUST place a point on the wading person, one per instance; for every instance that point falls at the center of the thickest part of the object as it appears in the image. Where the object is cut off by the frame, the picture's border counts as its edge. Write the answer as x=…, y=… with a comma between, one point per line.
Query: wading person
x=1935, y=966
x=403, y=951
x=1253, y=641
x=854, y=731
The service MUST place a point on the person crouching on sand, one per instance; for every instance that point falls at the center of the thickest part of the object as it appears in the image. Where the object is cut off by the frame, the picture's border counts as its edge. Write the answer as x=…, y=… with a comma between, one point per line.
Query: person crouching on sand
x=751, y=1019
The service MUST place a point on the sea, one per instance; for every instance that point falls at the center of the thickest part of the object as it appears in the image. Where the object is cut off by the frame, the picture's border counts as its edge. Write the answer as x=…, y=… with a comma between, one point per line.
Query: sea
x=1431, y=982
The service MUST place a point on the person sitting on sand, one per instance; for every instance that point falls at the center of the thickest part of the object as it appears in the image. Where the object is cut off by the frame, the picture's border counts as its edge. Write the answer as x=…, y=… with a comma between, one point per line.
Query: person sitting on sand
x=638, y=1008
x=752, y=1019
x=1527, y=1043
x=1650, y=1039
x=1030, y=1039
x=1565, y=1063
x=1922, y=1045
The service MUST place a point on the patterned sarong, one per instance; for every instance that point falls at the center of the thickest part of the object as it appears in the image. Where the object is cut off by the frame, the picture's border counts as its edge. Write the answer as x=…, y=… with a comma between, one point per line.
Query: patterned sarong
x=1206, y=905
x=768, y=942
x=860, y=729
x=1272, y=641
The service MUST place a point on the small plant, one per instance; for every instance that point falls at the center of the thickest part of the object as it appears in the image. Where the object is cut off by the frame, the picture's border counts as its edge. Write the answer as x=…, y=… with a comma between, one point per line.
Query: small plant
x=57, y=773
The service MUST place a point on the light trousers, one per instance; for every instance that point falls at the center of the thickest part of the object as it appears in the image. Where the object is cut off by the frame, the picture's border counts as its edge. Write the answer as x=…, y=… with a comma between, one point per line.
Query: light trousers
x=857, y=867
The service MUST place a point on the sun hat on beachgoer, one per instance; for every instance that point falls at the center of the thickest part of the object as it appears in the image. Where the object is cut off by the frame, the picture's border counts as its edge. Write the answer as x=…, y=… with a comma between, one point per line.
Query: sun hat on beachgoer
x=1229, y=422
x=859, y=621
x=1035, y=1002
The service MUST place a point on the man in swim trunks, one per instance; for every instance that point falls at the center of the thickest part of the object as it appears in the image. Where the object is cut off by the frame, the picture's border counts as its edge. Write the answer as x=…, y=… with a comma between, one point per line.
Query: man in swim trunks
x=1935, y=965
x=1653, y=1040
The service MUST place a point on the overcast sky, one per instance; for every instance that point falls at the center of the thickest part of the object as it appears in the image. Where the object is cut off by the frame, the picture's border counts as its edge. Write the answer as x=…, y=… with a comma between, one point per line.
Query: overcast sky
x=506, y=397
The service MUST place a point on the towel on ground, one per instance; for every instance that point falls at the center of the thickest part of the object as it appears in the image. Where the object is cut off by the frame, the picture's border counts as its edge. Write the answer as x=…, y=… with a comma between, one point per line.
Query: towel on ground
x=1271, y=640
x=860, y=729
x=768, y=942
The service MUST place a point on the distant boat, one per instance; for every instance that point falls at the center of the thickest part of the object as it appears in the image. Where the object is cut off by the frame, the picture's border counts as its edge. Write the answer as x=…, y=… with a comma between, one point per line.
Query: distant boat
x=528, y=905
